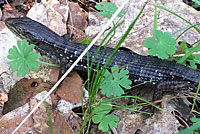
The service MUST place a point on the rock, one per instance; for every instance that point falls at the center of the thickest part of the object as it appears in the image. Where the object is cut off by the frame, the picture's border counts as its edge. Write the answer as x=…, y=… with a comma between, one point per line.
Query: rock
x=37, y=123
x=66, y=107
x=144, y=26
x=7, y=41
x=162, y=123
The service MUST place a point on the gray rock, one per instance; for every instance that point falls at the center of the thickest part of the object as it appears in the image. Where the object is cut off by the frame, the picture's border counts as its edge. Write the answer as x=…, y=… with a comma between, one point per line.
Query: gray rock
x=144, y=26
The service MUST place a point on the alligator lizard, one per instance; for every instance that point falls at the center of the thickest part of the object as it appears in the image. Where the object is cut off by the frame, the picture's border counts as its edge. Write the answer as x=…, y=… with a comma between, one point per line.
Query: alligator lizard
x=166, y=74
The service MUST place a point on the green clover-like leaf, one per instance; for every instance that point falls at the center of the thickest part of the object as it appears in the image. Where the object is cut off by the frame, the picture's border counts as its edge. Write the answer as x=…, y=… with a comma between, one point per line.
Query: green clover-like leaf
x=162, y=46
x=108, y=121
x=196, y=3
x=102, y=107
x=108, y=9
x=193, y=127
x=102, y=117
x=86, y=41
x=23, y=58
x=113, y=82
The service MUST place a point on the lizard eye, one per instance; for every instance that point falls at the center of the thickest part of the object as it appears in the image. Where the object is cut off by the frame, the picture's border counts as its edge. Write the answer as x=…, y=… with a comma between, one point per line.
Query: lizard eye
x=19, y=29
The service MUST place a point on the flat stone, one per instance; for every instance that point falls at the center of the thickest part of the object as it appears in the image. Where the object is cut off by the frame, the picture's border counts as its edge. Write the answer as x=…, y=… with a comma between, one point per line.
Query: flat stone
x=144, y=26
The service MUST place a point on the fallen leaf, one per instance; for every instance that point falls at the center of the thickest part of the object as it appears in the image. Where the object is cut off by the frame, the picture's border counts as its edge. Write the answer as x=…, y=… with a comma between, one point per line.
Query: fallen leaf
x=21, y=93
x=78, y=17
x=37, y=123
x=56, y=23
x=54, y=74
x=60, y=125
x=77, y=23
x=78, y=35
x=71, y=87
x=12, y=119
x=39, y=116
x=74, y=121
x=41, y=122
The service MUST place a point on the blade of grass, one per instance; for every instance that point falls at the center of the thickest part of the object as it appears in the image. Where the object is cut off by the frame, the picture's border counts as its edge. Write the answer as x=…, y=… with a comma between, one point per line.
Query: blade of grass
x=98, y=64
x=161, y=7
x=155, y=18
x=187, y=30
x=142, y=83
x=49, y=119
x=93, y=91
x=196, y=112
x=195, y=42
x=195, y=98
x=184, y=28
x=135, y=97
x=83, y=111
x=118, y=106
x=97, y=67
x=194, y=49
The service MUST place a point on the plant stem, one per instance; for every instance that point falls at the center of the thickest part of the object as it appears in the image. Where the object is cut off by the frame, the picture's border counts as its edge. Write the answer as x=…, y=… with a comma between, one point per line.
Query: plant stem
x=49, y=64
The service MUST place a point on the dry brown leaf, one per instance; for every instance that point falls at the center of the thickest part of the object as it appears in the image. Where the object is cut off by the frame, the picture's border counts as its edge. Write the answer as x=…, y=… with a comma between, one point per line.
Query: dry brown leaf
x=74, y=121
x=11, y=120
x=41, y=124
x=60, y=125
x=77, y=20
x=54, y=74
x=78, y=17
x=78, y=35
x=37, y=123
x=71, y=87
x=39, y=117
x=22, y=92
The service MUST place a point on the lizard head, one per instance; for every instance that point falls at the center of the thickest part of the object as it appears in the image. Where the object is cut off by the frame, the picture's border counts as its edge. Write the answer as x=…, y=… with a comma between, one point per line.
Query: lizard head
x=21, y=27
x=31, y=30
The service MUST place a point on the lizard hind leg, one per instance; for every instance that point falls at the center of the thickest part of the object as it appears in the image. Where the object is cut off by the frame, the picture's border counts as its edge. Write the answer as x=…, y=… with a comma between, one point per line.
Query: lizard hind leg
x=171, y=85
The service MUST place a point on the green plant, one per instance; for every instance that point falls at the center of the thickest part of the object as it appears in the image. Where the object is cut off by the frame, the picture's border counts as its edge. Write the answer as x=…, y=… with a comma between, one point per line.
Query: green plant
x=108, y=9
x=86, y=41
x=101, y=115
x=113, y=82
x=23, y=58
x=50, y=122
x=161, y=45
x=188, y=57
x=197, y=3
x=191, y=129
